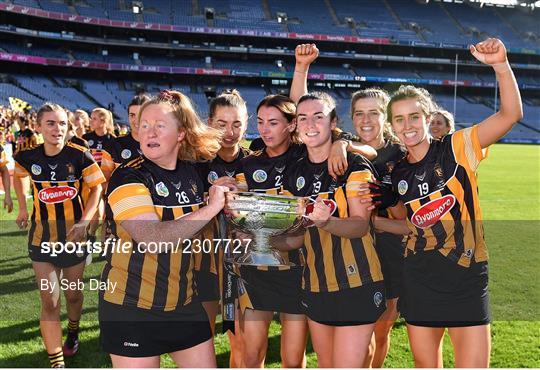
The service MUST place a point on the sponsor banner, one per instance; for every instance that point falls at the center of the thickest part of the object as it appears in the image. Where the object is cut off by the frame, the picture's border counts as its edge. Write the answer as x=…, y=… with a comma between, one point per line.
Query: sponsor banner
x=228, y=31
x=57, y=194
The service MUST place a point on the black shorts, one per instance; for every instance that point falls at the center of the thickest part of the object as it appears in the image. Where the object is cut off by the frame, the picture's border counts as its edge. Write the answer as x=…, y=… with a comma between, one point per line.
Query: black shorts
x=135, y=332
x=207, y=285
x=348, y=307
x=60, y=260
x=390, y=250
x=276, y=291
x=438, y=292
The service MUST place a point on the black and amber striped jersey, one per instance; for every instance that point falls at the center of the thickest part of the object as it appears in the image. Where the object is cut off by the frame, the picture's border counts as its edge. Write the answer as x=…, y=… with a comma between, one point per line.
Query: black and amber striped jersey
x=262, y=173
x=157, y=281
x=210, y=172
x=103, y=149
x=219, y=167
x=79, y=141
x=334, y=263
x=26, y=139
x=57, y=182
x=259, y=172
x=440, y=193
x=127, y=148
x=3, y=157
x=387, y=158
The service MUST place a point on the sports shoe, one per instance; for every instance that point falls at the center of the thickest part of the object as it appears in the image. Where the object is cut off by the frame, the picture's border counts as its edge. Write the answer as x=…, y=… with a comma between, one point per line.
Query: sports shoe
x=71, y=346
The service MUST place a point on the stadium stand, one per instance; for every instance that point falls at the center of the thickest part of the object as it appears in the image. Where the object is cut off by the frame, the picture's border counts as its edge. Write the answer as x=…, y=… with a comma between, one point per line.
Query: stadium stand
x=401, y=22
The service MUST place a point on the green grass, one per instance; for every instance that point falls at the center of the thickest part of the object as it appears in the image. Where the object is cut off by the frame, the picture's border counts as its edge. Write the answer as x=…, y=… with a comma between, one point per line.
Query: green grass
x=509, y=192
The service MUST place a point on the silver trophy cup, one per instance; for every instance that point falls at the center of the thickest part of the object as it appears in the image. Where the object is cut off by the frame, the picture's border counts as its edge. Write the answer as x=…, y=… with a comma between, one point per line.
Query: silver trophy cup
x=262, y=216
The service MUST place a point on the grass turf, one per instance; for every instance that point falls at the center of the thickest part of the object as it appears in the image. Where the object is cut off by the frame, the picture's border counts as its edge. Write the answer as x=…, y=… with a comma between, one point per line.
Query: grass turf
x=509, y=192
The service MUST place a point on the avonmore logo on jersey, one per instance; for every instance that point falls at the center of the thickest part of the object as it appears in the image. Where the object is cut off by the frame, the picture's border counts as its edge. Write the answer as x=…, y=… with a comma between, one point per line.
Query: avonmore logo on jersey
x=57, y=194
x=427, y=215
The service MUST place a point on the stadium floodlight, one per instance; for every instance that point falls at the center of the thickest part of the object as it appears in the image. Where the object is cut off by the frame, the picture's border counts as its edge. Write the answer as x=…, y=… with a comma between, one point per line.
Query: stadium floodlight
x=282, y=17
x=279, y=63
x=209, y=13
x=137, y=7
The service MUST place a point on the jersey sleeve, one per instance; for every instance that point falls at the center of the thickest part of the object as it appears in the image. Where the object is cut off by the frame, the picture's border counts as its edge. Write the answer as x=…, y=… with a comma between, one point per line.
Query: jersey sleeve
x=107, y=162
x=21, y=165
x=91, y=173
x=129, y=195
x=360, y=173
x=240, y=177
x=466, y=148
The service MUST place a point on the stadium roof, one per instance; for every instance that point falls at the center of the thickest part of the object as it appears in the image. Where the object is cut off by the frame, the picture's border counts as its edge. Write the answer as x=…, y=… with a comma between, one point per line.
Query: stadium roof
x=510, y=3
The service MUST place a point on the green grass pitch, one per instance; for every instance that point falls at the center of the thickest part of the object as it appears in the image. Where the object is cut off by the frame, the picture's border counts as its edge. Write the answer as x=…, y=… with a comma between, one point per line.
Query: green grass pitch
x=509, y=193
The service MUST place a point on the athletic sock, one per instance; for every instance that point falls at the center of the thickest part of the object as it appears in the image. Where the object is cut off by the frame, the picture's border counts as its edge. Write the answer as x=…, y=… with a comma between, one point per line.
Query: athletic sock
x=57, y=359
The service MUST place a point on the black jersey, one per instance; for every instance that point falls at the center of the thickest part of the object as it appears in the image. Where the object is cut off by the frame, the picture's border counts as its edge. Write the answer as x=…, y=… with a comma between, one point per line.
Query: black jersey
x=57, y=183
x=387, y=158
x=161, y=281
x=440, y=193
x=262, y=173
x=219, y=167
x=334, y=263
x=78, y=141
x=103, y=149
x=127, y=148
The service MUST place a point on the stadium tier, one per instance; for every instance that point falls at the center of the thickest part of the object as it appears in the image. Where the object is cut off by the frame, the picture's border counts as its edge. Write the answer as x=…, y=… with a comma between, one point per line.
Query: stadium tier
x=384, y=43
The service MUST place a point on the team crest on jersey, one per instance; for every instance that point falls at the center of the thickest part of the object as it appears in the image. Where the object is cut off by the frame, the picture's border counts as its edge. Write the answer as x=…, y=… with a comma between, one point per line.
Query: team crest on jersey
x=162, y=190
x=402, y=187
x=194, y=187
x=36, y=169
x=260, y=176
x=90, y=143
x=126, y=153
x=70, y=168
x=351, y=270
x=212, y=176
x=300, y=182
x=438, y=170
x=430, y=213
x=390, y=166
x=377, y=298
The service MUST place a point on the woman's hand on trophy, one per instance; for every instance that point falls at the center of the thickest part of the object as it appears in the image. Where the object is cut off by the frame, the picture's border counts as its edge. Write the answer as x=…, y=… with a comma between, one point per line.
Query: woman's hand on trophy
x=216, y=197
x=321, y=213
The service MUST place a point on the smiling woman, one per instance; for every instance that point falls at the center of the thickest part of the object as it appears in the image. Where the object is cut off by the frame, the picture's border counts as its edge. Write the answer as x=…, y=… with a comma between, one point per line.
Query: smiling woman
x=58, y=172
x=153, y=309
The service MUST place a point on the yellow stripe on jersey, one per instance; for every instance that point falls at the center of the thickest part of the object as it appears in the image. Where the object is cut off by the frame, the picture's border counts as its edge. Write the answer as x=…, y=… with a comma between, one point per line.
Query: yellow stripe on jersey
x=148, y=281
x=93, y=176
x=118, y=274
x=20, y=171
x=467, y=149
x=51, y=214
x=173, y=291
x=130, y=200
x=241, y=182
x=356, y=179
